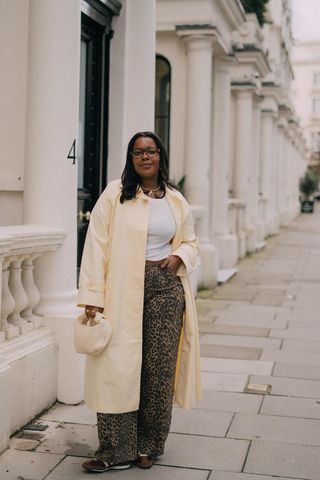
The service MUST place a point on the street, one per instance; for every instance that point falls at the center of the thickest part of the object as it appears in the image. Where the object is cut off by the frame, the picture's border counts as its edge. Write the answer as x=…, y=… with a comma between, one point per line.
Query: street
x=259, y=418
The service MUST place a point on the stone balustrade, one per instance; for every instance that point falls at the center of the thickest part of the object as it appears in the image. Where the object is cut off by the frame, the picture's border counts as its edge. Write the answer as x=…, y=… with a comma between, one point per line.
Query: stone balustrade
x=236, y=219
x=20, y=246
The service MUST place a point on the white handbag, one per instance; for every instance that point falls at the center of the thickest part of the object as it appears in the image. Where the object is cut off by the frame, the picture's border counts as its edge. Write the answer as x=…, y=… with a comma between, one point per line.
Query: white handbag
x=91, y=336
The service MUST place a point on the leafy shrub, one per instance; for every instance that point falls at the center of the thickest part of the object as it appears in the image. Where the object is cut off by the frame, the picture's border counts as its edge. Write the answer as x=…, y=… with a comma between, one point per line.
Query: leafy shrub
x=256, y=6
x=308, y=184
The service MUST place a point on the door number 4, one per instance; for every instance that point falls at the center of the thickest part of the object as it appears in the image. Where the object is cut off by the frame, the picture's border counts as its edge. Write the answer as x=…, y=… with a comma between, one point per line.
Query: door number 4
x=72, y=152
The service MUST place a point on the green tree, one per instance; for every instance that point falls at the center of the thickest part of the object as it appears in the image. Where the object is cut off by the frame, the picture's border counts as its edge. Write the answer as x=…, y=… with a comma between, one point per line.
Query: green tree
x=308, y=184
x=256, y=6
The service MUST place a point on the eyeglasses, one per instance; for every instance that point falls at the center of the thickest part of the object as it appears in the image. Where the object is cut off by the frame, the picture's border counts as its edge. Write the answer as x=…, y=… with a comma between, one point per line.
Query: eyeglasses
x=150, y=151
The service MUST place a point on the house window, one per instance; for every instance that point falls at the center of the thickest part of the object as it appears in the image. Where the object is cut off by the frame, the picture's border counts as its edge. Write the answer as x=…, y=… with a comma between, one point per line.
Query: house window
x=316, y=106
x=316, y=79
x=315, y=141
x=162, y=100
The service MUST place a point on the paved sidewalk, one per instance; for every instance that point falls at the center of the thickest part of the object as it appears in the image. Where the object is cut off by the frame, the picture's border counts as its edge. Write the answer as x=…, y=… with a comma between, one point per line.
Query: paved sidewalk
x=259, y=333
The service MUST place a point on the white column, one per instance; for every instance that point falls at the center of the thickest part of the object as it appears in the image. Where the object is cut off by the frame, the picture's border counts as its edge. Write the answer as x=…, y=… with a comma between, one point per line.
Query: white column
x=274, y=178
x=243, y=159
x=290, y=185
x=297, y=174
x=266, y=165
x=227, y=244
x=198, y=142
x=286, y=148
x=50, y=194
x=255, y=176
x=281, y=203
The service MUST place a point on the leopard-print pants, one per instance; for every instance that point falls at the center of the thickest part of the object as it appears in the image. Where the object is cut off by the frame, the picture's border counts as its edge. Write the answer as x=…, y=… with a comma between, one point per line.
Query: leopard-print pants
x=123, y=435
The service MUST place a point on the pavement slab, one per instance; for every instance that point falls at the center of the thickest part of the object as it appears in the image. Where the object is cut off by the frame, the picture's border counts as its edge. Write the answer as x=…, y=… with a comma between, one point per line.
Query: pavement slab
x=290, y=356
x=70, y=414
x=225, y=382
x=262, y=311
x=289, y=370
x=250, y=426
x=263, y=300
x=291, y=407
x=253, y=320
x=242, y=476
x=301, y=313
x=312, y=323
x=240, y=294
x=240, y=341
x=301, y=345
x=283, y=459
x=193, y=451
x=301, y=332
x=236, y=366
x=290, y=387
x=229, y=402
x=225, y=351
x=212, y=304
x=70, y=469
x=19, y=465
x=201, y=422
x=72, y=439
x=239, y=330
x=206, y=326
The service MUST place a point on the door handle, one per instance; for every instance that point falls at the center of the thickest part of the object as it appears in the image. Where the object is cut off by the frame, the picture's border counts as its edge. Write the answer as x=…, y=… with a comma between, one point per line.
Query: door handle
x=84, y=215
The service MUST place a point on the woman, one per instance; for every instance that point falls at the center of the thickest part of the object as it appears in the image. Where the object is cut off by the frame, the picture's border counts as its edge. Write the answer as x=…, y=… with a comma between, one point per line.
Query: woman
x=139, y=249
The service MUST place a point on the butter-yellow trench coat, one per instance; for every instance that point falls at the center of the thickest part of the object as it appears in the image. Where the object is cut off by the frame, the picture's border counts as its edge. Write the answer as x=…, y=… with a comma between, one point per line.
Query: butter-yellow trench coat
x=112, y=277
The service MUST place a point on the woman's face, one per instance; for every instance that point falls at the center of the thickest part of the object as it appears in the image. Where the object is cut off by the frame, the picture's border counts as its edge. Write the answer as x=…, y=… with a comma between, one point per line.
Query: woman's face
x=146, y=159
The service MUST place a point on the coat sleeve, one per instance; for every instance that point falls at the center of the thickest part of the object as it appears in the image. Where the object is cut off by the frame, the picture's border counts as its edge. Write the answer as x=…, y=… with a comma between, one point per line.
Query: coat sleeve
x=188, y=247
x=92, y=278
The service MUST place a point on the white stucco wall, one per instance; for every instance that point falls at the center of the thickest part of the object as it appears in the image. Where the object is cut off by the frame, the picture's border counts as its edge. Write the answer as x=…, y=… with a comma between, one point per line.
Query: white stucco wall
x=306, y=62
x=13, y=85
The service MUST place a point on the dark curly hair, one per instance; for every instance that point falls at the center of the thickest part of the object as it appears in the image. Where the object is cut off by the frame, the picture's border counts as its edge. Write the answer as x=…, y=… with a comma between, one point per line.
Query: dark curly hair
x=131, y=180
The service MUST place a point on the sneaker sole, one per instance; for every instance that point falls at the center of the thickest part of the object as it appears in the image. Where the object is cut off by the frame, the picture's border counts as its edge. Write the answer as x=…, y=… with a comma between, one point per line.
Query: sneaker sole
x=115, y=467
x=120, y=467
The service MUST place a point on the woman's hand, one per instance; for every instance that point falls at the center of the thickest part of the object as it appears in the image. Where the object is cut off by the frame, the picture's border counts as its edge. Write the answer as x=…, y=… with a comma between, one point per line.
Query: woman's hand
x=91, y=311
x=172, y=262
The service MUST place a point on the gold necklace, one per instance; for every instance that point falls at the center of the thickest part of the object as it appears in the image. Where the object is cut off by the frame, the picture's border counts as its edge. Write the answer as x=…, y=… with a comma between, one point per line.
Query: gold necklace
x=147, y=191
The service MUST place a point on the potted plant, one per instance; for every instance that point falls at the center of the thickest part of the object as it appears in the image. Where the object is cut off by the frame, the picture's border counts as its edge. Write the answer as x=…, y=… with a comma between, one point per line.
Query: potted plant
x=308, y=184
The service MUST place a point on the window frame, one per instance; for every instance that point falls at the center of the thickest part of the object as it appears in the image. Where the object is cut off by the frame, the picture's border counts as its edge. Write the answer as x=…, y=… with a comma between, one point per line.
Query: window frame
x=167, y=116
x=316, y=79
x=316, y=106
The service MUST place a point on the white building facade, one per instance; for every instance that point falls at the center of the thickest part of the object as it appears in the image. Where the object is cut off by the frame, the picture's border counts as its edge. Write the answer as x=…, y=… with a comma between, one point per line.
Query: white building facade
x=306, y=92
x=79, y=81
x=233, y=132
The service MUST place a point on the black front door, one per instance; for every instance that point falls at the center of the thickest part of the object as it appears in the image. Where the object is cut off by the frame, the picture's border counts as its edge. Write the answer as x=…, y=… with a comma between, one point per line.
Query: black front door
x=92, y=150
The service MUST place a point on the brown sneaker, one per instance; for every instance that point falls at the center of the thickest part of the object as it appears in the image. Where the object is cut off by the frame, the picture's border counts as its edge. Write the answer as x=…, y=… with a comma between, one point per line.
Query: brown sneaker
x=98, y=466
x=144, y=461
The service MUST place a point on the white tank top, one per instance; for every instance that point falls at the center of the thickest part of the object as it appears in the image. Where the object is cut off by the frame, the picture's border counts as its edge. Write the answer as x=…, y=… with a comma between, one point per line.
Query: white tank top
x=162, y=227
